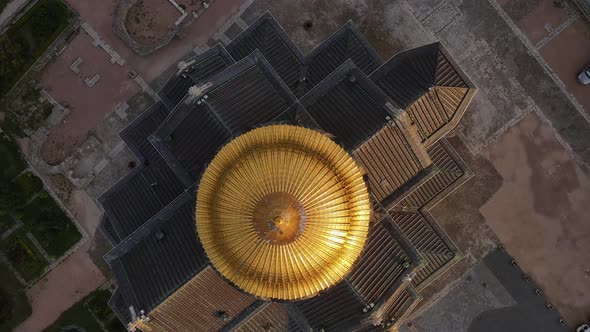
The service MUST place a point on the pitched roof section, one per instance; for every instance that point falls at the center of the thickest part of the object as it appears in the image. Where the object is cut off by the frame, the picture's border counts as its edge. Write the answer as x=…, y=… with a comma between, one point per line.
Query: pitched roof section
x=448, y=169
x=339, y=307
x=140, y=195
x=270, y=316
x=189, y=139
x=346, y=43
x=408, y=75
x=247, y=94
x=119, y=307
x=267, y=36
x=136, y=134
x=348, y=105
x=391, y=158
x=205, y=303
x=158, y=258
x=196, y=70
x=380, y=267
x=398, y=309
x=427, y=239
x=429, y=86
x=106, y=227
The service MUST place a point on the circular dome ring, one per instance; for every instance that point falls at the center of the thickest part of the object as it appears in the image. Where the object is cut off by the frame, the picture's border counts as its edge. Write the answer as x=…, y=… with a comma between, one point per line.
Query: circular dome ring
x=282, y=212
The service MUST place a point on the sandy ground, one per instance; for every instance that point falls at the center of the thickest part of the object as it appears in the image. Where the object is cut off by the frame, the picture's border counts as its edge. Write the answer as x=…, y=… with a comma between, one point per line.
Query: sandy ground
x=99, y=14
x=568, y=54
x=149, y=20
x=544, y=16
x=88, y=106
x=71, y=280
x=539, y=213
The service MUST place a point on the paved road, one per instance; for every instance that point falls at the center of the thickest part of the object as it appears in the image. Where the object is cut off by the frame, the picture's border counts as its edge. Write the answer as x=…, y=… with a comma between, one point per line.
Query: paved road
x=492, y=297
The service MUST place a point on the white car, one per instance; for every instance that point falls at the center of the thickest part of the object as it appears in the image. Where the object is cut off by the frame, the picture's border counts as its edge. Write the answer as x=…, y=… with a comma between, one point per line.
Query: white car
x=583, y=328
x=584, y=77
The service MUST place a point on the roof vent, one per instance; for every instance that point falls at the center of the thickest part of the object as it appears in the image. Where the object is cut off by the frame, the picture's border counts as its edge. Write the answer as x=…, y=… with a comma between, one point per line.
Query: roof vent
x=222, y=315
x=160, y=235
x=352, y=78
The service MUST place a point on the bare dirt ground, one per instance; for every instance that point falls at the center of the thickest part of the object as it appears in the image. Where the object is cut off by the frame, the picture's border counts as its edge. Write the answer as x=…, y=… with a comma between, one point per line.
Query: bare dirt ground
x=71, y=280
x=539, y=213
x=568, y=54
x=99, y=14
x=149, y=20
x=88, y=106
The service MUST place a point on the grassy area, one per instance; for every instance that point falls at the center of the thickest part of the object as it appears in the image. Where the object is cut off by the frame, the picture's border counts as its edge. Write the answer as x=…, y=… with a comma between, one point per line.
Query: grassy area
x=23, y=256
x=12, y=294
x=6, y=222
x=3, y=4
x=11, y=162
x=30, y=36
x=28, y=185
x=50, y=225
x=79, y=315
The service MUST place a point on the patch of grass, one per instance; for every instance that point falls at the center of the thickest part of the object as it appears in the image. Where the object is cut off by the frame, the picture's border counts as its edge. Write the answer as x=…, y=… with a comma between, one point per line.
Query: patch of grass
x=11, y=161
x=50, y=225
x=23, y=256
x=30, y=36
x=28, y=185
x=3, y=4
x=14, y=294
x=79, y=314
x=6, y=222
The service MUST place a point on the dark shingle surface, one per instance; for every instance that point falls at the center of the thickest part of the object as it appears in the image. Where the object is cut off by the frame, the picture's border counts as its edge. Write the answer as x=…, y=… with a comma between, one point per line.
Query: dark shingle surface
x=108, y=230
x=380, y=266
x=348, y=105
x=119, y=307
x=139, y=196
x=267, y=36
x=196, y=139
x=346, y=43
x=136, y=134
x=334, y=309
x=408, y=75
x=160, y=257
x=199, y=68
x=248, y=94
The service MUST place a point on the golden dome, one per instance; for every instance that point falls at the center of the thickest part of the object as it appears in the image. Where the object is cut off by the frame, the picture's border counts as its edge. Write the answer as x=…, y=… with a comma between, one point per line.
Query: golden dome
x=282, y=212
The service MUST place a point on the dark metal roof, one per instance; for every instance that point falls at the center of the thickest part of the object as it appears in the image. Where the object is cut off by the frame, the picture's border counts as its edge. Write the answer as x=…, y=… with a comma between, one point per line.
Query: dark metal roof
x=428, y=241
x=381, y=266
x=189, y=139
x=159, y=257
x=348, y=105
x=337, y=308
x=139, y=196
x=390, y=159
x=247, y=94
x=408, y=75
x=136, y=133
x=106, y=227
x=119, y=307
x=198, y=69
x=346, y=43
x=268, y=37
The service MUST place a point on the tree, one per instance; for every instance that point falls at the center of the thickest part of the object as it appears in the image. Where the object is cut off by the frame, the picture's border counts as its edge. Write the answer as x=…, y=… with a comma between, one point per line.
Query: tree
x=10, y=197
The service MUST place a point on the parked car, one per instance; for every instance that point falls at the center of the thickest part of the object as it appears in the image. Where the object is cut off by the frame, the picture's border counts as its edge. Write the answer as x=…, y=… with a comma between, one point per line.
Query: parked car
x=583, y=328
x=584, y=77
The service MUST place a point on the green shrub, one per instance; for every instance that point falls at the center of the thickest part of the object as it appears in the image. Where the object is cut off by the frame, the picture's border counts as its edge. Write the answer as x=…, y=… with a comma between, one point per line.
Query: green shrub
x=28, y=185
x=23, y=257
x=50, y=225
x=31, y=35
